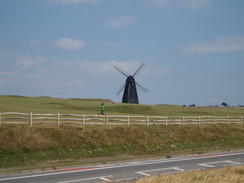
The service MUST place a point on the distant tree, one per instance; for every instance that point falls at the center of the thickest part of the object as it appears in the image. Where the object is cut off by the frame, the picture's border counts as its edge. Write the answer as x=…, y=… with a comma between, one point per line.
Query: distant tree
x=224, y=104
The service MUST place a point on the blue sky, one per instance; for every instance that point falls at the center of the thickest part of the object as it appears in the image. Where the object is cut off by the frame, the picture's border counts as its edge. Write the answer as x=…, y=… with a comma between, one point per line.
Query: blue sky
x=193, y=49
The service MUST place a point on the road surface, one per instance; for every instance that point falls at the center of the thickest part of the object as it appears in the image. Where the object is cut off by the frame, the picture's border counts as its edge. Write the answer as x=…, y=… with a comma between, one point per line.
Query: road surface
x=128, y=171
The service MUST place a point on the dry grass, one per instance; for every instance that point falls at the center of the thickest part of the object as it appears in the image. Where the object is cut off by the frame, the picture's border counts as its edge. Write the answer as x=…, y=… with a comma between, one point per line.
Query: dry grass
x=29, y=139
x=222, y=175
x=21, y=145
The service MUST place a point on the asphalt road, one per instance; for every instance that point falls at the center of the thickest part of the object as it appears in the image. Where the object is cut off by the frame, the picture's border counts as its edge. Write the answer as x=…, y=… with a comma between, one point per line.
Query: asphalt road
x=128, y=171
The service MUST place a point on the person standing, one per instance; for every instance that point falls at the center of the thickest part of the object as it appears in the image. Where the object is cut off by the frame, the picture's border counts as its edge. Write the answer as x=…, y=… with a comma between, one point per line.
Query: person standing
x=102, y=109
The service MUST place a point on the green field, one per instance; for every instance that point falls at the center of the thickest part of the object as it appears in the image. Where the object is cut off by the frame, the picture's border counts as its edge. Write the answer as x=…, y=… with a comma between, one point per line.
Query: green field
x=92, y=106
x=43, y=145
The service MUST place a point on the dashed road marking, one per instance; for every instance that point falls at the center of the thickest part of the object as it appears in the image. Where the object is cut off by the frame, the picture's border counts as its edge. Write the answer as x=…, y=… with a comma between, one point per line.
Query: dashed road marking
x=164, y=170
x=92, y=178
x=212, y=164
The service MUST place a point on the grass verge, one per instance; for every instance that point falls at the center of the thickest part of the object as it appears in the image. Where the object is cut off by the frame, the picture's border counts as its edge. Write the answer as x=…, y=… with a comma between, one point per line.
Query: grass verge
x=21, y=145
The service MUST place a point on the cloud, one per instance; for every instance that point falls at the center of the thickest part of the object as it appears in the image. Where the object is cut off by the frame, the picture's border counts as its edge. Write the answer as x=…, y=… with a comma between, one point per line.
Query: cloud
x=68, y=44
x=106, y=67
x=34, y=42
x=121, y=21
x=128, y=66
x=32, y=75
x=176, y=4
x=221, y=44
x=26, y=61
x=9, y=72
x=67, y=2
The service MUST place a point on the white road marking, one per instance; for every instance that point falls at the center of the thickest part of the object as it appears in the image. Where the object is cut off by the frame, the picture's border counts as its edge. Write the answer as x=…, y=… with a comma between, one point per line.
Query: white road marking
x=209, y=164
x=47, y=174
x=92, y=178
x=142, y=173
x=206, y=165
x=161, y=169
x=145, y=172
x=105, y=179
x=182, y=170
x=126, y=179
x=232, y=162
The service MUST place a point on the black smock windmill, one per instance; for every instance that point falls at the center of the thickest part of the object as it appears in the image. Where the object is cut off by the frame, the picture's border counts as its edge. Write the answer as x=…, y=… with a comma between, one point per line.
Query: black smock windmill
x=130, y=86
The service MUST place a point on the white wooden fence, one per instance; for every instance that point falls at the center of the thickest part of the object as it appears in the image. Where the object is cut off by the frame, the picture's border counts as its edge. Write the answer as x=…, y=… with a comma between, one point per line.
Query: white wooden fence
x=82, y=119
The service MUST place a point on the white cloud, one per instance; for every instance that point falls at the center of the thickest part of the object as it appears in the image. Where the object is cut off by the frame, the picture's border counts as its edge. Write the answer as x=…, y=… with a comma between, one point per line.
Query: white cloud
x=121, y=21
x=34, y=42
x=25, y=61
x=66, y=2
x=221, y=44
x=106, y=67
x=68, y=44
x=175, y=4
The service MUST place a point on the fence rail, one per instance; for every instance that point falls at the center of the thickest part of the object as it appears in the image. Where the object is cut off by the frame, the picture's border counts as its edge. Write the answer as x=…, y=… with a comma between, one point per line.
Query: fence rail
x=82, y=119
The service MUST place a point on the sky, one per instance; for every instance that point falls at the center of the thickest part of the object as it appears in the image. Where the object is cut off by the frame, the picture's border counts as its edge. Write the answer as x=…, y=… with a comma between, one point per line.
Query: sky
x=193, y=49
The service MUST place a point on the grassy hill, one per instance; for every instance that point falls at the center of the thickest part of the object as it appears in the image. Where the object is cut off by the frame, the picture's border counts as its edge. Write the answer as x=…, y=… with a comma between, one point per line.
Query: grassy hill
x=92, y=106
x=21, y=145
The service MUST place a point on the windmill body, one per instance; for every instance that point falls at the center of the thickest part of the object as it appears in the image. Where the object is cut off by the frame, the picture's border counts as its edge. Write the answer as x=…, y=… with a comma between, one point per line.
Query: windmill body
x=130, y=92
x=130, y=86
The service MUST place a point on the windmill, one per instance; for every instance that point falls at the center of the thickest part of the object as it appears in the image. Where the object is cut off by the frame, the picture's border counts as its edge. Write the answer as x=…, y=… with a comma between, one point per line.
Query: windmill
x=130, y=85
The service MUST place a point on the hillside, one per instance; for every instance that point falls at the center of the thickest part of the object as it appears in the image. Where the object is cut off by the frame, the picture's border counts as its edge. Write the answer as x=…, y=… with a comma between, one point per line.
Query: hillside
x=92, y=106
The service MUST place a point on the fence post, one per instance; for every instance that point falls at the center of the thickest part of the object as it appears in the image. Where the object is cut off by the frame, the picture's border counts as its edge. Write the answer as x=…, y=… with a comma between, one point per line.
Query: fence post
x=83, y=120
x=128, y=121
x=106, y=120
x=148, y=120
x=58, y=118
x=199, y=120
x=228, y=118
x=30, y=119
x=213, y=119
x=183, y=120
x=241, y=119
x=166, y=120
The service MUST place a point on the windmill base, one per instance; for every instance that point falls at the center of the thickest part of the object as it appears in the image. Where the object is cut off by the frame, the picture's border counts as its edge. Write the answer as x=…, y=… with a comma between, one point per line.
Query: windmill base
x=131, y=101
